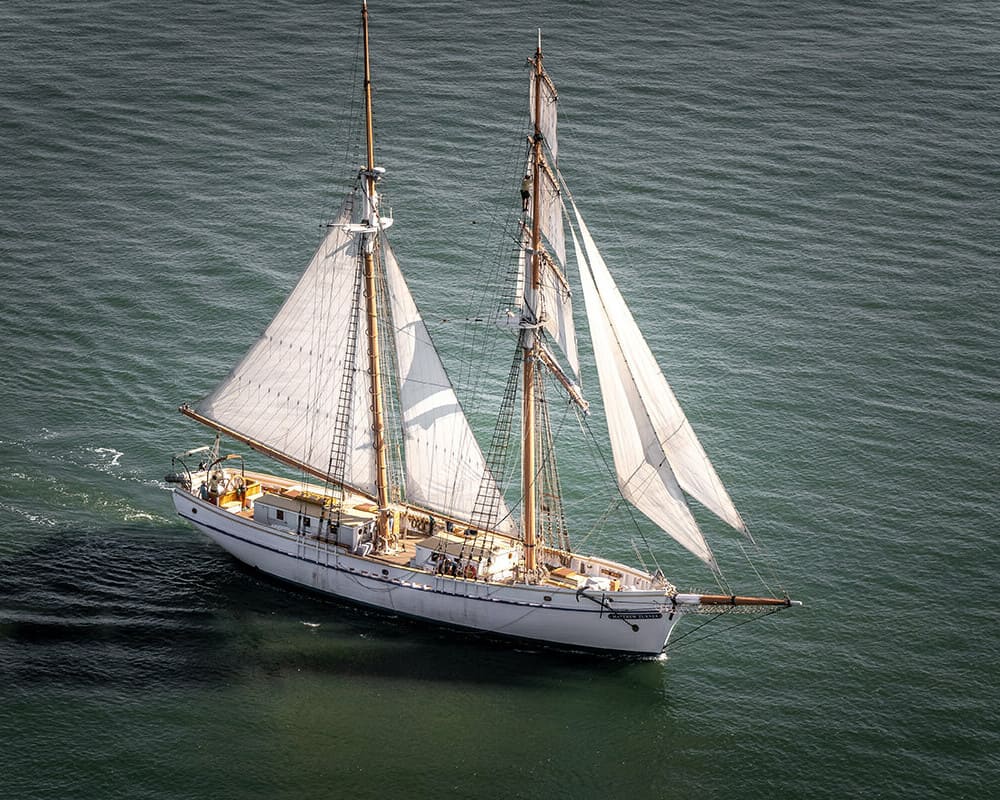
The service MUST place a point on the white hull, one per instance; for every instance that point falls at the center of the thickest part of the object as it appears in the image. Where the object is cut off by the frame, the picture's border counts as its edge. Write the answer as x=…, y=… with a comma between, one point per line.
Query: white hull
x=633, y=622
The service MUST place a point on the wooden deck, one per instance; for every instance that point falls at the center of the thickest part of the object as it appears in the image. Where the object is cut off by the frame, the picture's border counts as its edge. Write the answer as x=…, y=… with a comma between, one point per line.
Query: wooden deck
x=408, y=549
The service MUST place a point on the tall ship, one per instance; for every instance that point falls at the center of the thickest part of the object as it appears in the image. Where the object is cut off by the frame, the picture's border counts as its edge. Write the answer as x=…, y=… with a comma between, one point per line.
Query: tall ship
x=386, y=498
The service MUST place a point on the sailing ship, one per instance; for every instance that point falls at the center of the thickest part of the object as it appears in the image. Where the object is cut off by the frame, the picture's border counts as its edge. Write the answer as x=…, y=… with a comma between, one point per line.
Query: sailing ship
x=394, y=504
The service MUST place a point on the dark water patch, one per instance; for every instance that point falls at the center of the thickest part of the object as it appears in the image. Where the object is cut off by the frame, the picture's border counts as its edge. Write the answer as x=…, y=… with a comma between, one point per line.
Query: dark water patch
x=110, y=610
x=132, y=609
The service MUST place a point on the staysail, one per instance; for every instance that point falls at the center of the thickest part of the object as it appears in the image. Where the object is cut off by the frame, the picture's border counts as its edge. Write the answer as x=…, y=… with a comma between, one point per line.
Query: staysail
x=656, y=452
x=445, y=468
x=285, y=390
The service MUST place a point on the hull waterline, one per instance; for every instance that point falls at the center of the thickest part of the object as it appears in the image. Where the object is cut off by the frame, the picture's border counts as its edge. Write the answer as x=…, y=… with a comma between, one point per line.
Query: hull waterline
x=633, y=623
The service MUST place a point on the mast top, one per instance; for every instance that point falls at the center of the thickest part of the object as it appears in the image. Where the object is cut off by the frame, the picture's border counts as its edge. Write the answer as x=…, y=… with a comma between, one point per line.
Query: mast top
x=369, y=128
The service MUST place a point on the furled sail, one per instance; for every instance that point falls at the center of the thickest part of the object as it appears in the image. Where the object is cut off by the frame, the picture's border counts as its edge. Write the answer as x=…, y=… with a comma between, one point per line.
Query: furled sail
x=656, y=451
x=285, y=391
x=445, y=468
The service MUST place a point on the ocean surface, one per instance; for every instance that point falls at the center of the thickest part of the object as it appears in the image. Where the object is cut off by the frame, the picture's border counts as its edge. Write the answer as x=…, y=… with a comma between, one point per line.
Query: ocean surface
x=800, y=202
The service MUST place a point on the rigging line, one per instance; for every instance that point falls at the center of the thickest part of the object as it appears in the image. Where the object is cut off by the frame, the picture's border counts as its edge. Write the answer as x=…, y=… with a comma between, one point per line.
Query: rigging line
x=323, y=304
x=518, y=150
x=489, y=277
x=568, y=405
x=555, y=517
x=481, y=347
x=481, y=341
x=754, y=568
x=351, y=142
x=611, y=472
x=490, y=498
x=721, y=580
x=751, y=618
x=583, y=501
x=639, y=558
x=775, y=578
x=482, y=205
x=697, y=628
x=493, y=212
x=342, y=423
x=393, y=430
x=497, y=455
x=615, y=502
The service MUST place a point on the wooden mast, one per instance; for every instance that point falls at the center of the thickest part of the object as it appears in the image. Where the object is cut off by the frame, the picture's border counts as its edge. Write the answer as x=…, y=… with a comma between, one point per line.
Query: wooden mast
x=378, y=414
x=531, y=349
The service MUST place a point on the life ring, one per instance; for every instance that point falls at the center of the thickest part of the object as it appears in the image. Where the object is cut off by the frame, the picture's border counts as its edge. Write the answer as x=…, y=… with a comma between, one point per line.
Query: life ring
x=470, y=571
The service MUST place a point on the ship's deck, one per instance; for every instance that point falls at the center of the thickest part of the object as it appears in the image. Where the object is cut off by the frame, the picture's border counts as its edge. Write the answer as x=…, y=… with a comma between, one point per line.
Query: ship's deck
x=559, y=577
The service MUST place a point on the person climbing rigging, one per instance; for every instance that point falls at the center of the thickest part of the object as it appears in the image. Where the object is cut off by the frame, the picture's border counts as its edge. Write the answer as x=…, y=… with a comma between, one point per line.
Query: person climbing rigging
x=525, y=192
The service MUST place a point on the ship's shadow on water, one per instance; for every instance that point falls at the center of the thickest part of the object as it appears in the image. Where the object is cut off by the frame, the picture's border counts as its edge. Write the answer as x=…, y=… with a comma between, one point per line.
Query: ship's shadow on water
x=134, y=607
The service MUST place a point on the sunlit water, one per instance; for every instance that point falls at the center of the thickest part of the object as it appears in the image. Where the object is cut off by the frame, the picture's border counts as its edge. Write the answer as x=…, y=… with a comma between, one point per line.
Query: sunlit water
x=800, y=202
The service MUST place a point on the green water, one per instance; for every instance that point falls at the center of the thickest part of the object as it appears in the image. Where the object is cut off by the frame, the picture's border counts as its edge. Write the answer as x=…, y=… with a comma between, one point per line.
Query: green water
x=800, y=202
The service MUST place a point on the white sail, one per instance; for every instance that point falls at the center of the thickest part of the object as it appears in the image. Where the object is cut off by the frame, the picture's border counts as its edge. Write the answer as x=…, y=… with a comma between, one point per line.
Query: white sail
x=286, y=389
x=556, y=311
x=639, y=401
x=690, y=464
x=550, y=220
x=644, y=474
x=445, y=468
x=552, y=304
x=523, y=252
x=548, y=117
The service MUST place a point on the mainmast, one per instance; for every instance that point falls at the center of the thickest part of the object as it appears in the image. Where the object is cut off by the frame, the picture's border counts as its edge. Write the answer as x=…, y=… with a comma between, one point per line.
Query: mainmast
x=368, y=242
x=530, y=337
